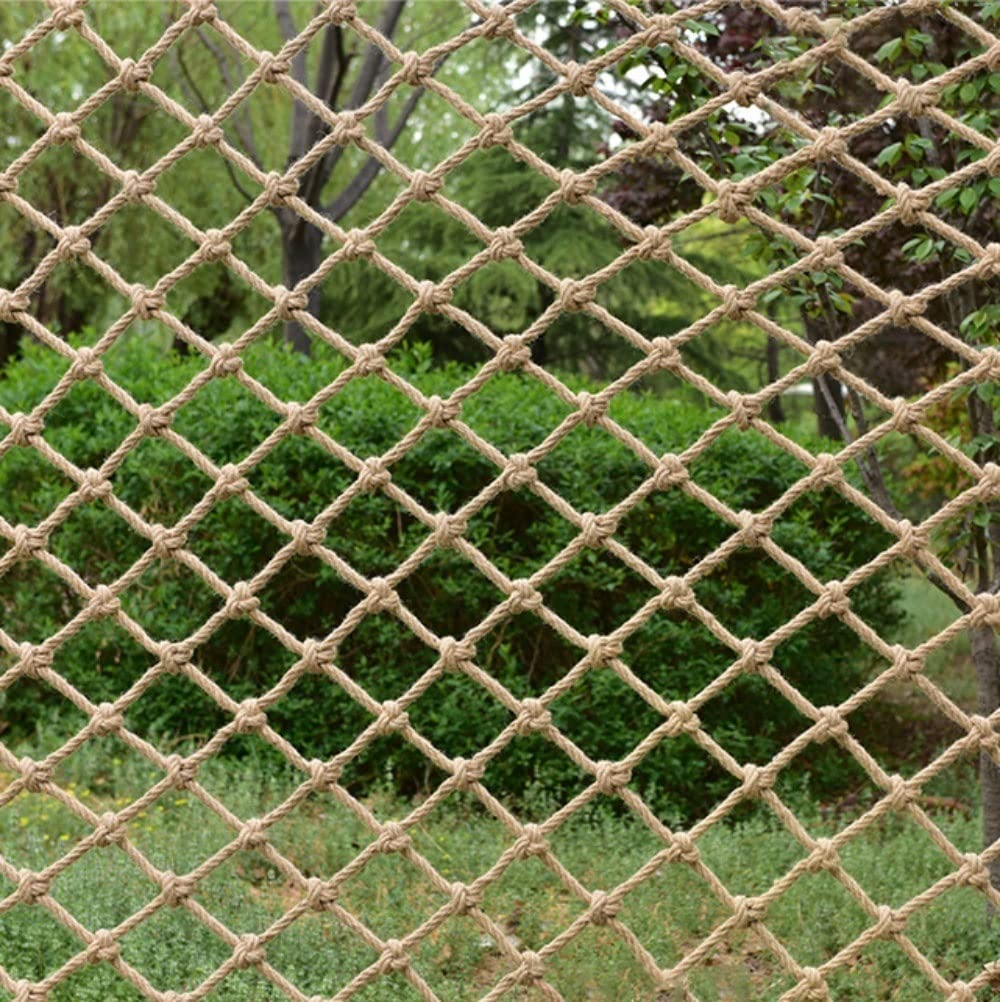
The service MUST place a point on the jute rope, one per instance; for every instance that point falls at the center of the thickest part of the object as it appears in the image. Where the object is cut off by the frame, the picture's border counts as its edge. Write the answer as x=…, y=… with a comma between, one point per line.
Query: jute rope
x=732, y=201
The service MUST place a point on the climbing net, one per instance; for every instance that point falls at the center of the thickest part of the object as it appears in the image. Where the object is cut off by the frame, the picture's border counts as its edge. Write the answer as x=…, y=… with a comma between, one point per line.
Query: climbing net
x=731, y=201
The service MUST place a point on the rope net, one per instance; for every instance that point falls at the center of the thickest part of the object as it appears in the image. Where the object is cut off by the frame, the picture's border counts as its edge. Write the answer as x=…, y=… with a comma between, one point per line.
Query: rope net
x=731, y=201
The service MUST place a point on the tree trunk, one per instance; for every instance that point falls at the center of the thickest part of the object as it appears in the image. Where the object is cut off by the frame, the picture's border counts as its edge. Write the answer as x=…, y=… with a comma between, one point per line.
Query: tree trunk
x=301, y=254
x=774, y=409
x=986, y=659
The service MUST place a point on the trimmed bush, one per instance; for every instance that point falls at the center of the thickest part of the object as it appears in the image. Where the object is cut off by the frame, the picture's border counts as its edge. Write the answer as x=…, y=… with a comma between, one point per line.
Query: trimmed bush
x=594, y=592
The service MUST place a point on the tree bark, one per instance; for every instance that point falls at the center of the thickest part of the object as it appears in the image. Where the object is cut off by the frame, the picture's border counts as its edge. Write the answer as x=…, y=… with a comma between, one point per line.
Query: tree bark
x=301, y=255
x=986, y=658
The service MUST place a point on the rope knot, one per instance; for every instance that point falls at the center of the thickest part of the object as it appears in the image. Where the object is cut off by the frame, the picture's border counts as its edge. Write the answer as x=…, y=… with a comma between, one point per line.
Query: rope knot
x=230, y=482
x=8, y=182
x=683, y=849
x=456, y=654
x=176, y=890
x=826, y=472
x=827, y=254
x=215, y=246
x=299, y=418
x=901, y=308
x=424, y=186
x=35, y=775
x=226, y=361
x=665, y=355
x=986, y=609
x=612, y=777
x=440, y=413
x=595, y=529
x=815, y=985
x=961, y=992
x=755, y=780
x=992, y=162
x=745, y=409
x=912, y=99
x=249, y=717
x=135, y=187
x=888, y=923
x=603, y=907
x=241, y=601
x=202, y=11
x=313, y=655
x=670, y=472
x=573, y=188
x=368, y=360
x=145, y=302
x=109, y=831
x=321, y=896
x=72, y=243
x=900, y=794
x=64, y=129
x=465, y=898
x=662, y=29
x=911, y=204
x=906, y=665
x=373, y=475
x=133, y=75
x=579, y=79
x=682, y=720
x=533, y=718
x=974, y=871
x=28, y=540
x=592, y=408
x=829, y=144
x=33, y=662
x=431, y=297
x=505, y=244
x=663, y=139
x=153, y=421
x=306, y=537
x=357, y=244
x=753, y=657
x=342, y=11
x=252, y=835
x=986, y=735
x=206, y=132
x=518, y=472
x=66, y=14
x=103, y=947
x=381, y=596
x=448, y=529
x=989, y=263
x=497, y=22
x=94, y=487
x=822, y=359
x=912, y=540
x=737, y=302
x=393, y=838
x=495, y=131
x=174, y=658
x=744, y=88
x=288, y=302
x=656, y=244
x=278, y=189
x=833, y=601
x=824, y=856
x=830, y=724
x=754, y=529
x=272, y=67
x=747, y=911
x=524, y=597
x=392, y=717
x=531, y=841
x=677, y=593
x=31, y=886
x=248, y=951
x=513, y=354
x=106, y=720
x=87, y=364
x=181, y=771
x=323, y=776
x=416, y=68
x=574, y=295
x=11, y=304
x=732, y=201
x=601, y=651
x=466, y=773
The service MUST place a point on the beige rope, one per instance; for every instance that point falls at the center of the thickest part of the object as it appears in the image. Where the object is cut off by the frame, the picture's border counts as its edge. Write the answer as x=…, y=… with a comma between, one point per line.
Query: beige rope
x=732, y=201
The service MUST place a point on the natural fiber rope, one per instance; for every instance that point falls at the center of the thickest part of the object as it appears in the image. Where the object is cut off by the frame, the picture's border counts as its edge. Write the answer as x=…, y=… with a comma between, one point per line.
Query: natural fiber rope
x=733, y=201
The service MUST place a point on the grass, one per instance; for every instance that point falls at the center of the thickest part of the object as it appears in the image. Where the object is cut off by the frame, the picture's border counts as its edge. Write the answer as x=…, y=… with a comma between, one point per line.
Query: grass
x=670, y=913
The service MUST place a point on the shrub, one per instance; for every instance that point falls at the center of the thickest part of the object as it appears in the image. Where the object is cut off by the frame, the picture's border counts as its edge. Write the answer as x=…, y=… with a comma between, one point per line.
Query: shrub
x=594, y=592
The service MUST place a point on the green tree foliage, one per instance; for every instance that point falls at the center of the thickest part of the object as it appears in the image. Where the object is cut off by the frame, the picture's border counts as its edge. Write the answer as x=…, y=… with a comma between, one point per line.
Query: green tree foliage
x=593, y=592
